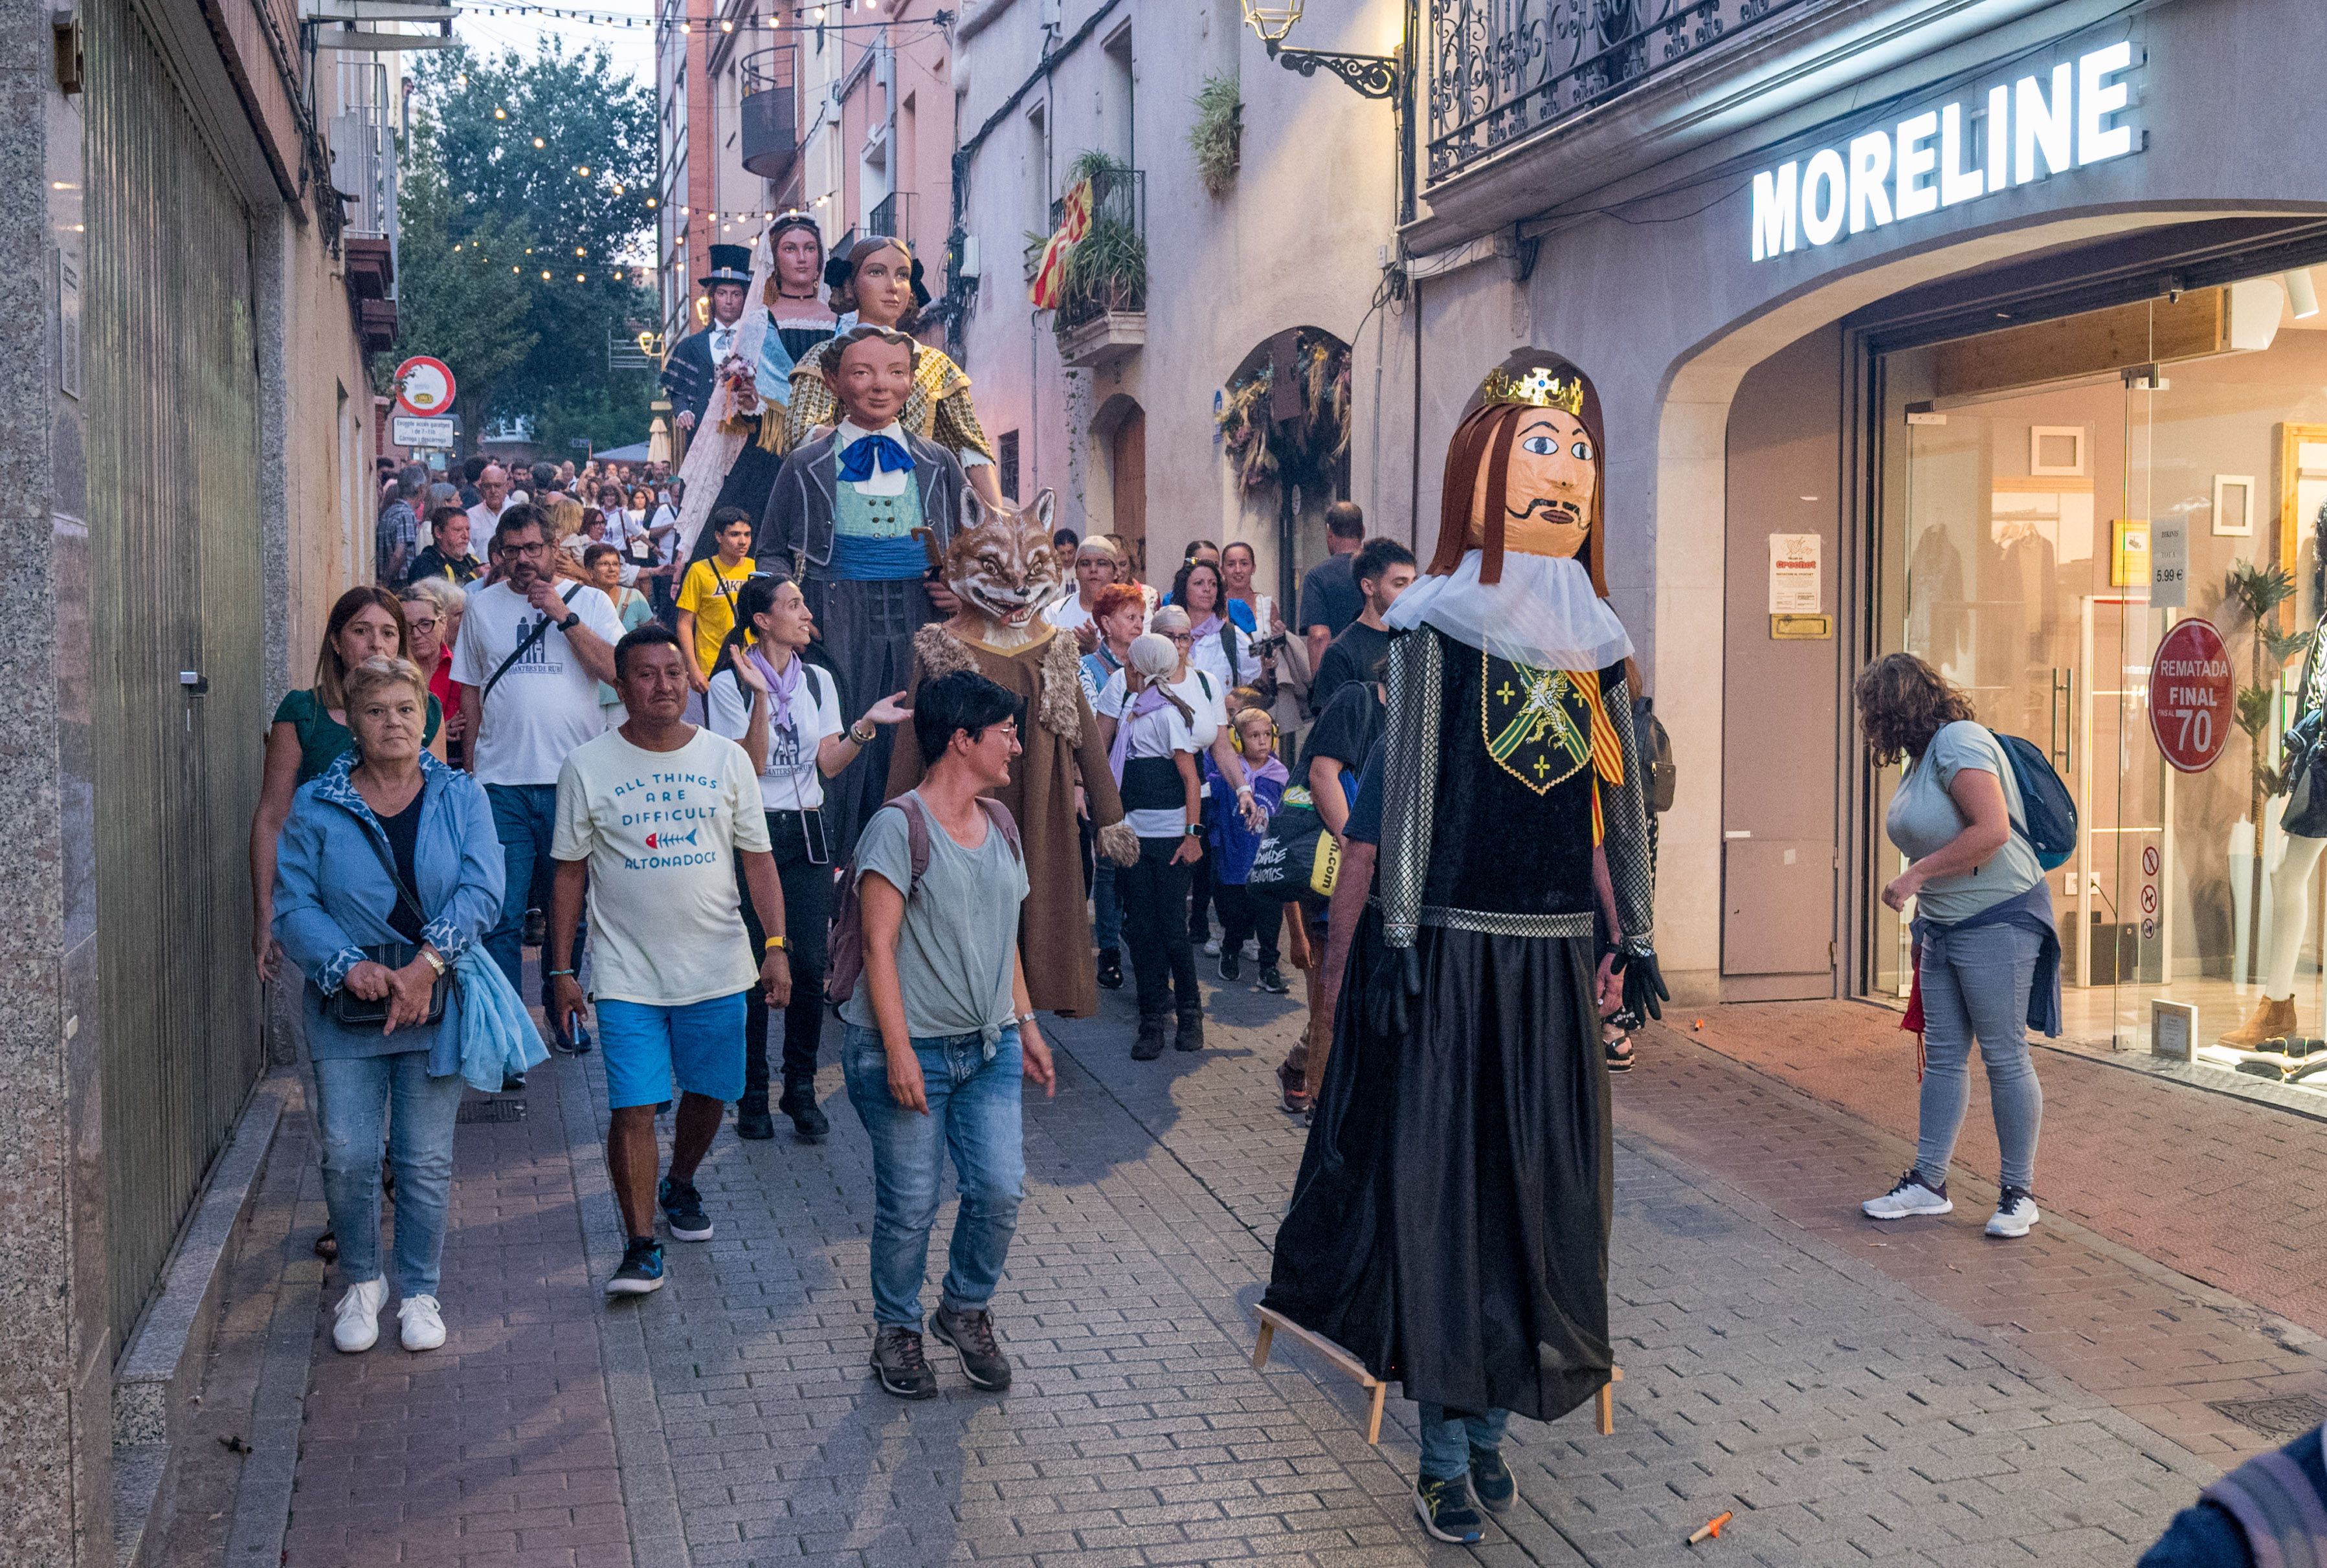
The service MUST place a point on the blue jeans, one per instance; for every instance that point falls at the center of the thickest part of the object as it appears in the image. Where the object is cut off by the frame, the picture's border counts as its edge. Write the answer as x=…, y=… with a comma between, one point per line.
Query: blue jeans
x=1979, y=990
x=1107, y=928
x=525, y=816
x=353, y=1097
x=974, y=1111
x=1447, y=1440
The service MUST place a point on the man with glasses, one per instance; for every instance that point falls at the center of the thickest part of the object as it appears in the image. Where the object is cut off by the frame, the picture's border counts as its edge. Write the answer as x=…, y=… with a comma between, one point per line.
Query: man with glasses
x=528, y=662
x=493, y=501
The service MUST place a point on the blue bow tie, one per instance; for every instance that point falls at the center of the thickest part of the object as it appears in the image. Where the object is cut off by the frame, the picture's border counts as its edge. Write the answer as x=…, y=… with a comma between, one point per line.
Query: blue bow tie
x=856, y=463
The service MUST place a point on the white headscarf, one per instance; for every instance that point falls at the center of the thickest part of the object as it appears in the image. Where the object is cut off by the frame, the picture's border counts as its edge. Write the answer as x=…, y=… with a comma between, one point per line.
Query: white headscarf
x=1543, y=613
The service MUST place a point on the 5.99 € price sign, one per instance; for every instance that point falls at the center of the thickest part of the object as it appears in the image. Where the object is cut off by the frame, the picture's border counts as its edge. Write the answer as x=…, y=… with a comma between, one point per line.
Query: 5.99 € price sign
x=2192, y=694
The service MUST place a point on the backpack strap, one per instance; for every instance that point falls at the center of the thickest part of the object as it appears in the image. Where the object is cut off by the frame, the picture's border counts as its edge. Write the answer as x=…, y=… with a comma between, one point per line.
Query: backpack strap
x=999, y=816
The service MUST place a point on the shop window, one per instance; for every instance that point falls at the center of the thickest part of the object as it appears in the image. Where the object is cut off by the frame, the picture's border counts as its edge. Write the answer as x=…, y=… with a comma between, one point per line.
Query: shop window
x=1005, y=458
x=2023, y=530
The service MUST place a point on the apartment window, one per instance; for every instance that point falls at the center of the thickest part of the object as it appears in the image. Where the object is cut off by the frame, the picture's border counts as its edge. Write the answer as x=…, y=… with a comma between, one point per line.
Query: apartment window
x=1006, y=449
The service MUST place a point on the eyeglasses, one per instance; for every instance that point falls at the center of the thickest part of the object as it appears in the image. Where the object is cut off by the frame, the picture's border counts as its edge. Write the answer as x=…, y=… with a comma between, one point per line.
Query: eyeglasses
x=421, y=622
x=1181, y=636
x=536, y=548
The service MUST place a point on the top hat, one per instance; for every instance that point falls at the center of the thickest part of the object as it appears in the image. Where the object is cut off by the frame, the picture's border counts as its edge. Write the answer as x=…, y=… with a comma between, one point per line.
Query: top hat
x=729, y=264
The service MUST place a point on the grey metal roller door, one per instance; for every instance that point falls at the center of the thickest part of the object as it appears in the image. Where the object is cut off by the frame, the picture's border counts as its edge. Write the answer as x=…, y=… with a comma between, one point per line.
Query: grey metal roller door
x=173, y=518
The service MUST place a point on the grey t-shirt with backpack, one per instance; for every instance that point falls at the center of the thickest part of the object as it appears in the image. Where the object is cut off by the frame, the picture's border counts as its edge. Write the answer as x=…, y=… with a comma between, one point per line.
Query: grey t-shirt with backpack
x=1923, y=816
x=956, y=948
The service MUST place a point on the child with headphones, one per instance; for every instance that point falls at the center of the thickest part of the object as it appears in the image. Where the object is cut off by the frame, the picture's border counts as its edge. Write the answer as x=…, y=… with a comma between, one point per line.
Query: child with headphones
x=1234, y=845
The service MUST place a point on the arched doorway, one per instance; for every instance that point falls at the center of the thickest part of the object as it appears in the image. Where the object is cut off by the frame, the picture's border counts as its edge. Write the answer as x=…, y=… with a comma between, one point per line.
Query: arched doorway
x=1285, y=418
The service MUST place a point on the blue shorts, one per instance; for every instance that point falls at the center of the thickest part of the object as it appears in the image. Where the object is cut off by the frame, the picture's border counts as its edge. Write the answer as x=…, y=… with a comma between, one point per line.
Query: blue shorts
x=701, y=1045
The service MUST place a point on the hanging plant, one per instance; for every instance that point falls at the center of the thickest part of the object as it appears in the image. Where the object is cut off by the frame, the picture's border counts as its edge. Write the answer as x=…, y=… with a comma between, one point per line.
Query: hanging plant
x=1217, y=138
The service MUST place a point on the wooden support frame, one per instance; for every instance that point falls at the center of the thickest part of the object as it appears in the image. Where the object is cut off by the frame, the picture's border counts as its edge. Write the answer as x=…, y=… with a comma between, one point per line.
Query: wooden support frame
x=1340, y=1360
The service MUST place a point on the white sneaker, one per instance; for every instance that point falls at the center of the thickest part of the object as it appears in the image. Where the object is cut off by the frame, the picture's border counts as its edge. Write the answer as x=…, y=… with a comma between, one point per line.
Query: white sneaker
x=1910, y=1197
x=1212, y=947
x=1252, y=948
x=2015, y=1212
x=355, y=1326
x=424, y=1325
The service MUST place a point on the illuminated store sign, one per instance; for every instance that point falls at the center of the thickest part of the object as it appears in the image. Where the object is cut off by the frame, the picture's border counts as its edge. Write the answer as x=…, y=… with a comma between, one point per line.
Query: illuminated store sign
x=2040, y=125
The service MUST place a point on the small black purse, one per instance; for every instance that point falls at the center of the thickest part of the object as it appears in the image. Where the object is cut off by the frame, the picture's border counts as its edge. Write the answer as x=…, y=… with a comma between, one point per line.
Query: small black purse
x=349, y=1011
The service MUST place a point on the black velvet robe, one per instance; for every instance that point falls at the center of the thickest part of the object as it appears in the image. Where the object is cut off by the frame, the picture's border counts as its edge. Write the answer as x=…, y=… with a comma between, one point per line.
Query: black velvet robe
x=1449, y=1226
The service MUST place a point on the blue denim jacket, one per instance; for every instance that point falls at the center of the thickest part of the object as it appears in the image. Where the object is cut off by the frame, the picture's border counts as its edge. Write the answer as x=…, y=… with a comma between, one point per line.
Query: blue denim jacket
x=333, y=896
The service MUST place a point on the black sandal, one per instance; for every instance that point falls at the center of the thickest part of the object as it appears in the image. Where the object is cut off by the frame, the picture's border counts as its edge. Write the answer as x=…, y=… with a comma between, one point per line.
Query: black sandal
x=1619, y=1052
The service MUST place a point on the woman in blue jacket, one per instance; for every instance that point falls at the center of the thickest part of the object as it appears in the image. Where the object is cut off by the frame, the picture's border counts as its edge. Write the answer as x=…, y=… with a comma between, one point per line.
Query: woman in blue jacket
x=387, y=870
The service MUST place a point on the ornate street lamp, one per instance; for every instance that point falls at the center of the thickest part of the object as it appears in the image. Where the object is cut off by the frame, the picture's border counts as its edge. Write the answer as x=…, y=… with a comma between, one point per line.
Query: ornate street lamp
x=1371, y=76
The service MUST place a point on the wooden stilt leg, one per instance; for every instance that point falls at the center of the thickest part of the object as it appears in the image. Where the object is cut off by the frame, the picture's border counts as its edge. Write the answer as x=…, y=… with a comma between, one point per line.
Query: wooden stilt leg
x=1373, y=1416
x=1605, y=1402
x=1261, y=1348
x=1340, y=1360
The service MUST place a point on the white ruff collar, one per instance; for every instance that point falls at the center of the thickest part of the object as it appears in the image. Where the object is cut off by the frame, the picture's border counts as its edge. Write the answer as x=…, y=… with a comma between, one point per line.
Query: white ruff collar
x=1543, y=613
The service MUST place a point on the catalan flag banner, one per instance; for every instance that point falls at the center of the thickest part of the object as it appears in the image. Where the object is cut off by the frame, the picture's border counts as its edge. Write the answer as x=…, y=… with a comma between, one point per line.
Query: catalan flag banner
x=1074, y=222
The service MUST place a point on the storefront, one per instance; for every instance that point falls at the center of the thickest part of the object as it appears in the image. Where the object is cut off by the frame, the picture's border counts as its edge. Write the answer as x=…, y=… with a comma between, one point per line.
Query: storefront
x=1948, y=354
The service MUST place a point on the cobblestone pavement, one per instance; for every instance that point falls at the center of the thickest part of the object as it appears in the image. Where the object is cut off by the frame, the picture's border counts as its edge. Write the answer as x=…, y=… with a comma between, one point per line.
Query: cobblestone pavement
x=1781, y=1360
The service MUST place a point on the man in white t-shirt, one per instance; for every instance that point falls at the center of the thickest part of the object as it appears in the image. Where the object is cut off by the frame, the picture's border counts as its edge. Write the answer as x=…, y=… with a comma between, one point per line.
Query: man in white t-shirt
x=528, y=661
x=660, y=820
x=493, y=490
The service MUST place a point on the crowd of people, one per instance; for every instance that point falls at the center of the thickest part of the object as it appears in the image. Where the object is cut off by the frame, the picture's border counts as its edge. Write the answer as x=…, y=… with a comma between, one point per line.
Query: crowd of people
x=634, y=744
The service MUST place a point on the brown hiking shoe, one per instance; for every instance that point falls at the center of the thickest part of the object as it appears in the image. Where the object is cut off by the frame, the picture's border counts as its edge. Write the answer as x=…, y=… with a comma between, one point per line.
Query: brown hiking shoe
x=2272, y=1020
x=972, y=1334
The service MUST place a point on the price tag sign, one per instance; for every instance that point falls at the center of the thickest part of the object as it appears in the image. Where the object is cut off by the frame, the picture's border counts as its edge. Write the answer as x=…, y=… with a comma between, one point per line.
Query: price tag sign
x=2191, y=695
x=2169, y=564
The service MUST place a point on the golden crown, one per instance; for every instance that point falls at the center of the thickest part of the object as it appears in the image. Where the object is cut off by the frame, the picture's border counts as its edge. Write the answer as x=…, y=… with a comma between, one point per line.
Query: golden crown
x=1542, y=387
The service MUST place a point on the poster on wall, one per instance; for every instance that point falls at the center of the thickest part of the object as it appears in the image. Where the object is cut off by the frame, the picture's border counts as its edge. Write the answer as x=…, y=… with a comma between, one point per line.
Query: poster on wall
x=2169, y=564
x=1795, y=578
x=2129, y=553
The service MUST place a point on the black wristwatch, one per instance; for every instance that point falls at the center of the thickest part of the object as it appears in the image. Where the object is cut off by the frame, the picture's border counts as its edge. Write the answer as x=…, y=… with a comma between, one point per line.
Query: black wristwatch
x=573, y=620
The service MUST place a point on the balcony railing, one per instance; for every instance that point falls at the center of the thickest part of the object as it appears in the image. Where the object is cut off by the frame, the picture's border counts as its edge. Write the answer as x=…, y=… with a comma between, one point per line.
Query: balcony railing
x=768, y=122
x=1501, y=70
x=894, y=218
x=362, y=141
x=1107, y=273
x=1116, y=198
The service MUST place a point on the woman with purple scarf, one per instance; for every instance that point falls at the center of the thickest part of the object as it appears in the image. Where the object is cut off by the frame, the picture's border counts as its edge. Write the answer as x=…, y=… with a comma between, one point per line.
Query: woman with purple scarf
x=1152, y=754
x=786, y=714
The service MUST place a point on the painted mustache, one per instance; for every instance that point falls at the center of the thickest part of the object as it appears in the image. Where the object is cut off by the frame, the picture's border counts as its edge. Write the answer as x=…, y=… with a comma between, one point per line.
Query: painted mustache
x=1563, y=510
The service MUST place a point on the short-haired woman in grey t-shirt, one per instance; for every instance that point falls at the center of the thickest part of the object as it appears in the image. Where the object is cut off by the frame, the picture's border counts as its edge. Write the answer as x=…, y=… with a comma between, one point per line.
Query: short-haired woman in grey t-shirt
x=1983, y=928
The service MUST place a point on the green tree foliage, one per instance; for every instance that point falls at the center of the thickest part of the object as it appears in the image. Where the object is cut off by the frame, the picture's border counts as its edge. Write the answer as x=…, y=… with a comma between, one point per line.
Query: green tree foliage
x=487, y=213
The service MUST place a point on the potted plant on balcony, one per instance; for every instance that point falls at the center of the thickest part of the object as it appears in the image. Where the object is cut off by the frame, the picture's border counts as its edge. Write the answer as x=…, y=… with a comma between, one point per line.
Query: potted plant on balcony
x=1105, y=273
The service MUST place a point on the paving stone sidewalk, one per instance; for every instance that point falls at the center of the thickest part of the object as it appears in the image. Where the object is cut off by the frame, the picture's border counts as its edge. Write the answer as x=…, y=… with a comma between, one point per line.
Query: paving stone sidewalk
x=1842, y=1415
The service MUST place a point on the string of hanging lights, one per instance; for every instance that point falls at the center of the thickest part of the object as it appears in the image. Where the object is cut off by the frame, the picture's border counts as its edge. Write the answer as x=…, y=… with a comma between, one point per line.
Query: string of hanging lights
x=812, y=18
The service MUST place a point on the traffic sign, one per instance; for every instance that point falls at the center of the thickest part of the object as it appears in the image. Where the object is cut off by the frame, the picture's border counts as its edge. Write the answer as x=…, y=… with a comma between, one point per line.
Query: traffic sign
x=424, y=385
x=2191, y=695
x=411, y=432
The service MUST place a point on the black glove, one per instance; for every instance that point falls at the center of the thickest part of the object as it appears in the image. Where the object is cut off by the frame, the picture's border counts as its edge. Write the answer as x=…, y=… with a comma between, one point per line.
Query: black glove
x=1644, y=985
x=1392, y=990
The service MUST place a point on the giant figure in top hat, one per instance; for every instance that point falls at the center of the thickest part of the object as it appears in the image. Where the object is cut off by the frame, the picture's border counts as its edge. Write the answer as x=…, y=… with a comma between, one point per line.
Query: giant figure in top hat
x=1449, y=1226
x=796, y=323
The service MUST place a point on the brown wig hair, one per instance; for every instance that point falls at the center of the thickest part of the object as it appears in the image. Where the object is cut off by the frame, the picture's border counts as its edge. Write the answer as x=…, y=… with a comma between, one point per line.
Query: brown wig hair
x=827, y=359
x=1903, y=702
x=1484, y=436
x=772, y=289
x=331, y=669
x=840, y=276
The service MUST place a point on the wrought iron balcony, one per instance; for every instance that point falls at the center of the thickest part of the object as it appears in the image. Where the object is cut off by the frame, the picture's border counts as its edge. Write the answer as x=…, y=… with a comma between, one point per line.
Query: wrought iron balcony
x=893, y=218
x=1502, y=70
x=768, y=125
x=1119, y=196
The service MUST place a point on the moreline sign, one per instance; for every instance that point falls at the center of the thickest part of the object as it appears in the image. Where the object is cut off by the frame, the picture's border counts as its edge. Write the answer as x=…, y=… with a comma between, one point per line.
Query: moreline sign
x=2076, y=115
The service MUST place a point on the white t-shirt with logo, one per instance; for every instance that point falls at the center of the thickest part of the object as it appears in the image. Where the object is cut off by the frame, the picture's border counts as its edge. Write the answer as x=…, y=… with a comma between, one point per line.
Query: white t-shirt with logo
x=792, y=781
x=547, y=704
x=660, y=830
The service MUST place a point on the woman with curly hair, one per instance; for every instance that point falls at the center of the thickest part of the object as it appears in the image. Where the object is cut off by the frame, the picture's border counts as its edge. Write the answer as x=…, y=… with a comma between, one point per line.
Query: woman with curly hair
x=1988, y=958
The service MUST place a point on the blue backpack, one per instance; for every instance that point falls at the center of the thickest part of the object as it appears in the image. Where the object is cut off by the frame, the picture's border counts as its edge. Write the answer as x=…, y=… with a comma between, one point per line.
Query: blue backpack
x=2051, y=828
